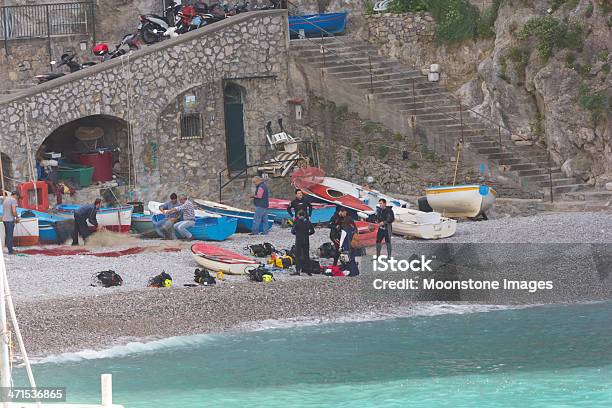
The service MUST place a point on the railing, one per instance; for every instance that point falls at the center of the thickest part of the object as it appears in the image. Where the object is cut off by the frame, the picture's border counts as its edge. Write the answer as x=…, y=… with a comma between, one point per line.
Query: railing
x=372, y=72
x=46, y=21
x=310, y=145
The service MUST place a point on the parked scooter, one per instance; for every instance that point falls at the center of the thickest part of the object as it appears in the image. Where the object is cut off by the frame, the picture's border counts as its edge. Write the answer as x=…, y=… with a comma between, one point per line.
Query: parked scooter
x=237, y=9
x=152, y=27
x=67, y=59
x=130, y=41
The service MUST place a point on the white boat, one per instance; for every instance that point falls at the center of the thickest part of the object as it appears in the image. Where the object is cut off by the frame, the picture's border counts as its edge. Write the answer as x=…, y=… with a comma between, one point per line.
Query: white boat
x=218, y=259
x=368, y=196
x=424, y=225
x=461, y=201
x=6, y=381
x=117, y=219
x=26, y=232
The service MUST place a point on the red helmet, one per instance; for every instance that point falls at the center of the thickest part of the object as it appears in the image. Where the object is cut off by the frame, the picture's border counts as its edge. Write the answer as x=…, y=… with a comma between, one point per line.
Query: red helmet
x=188, y=11
x=100, y=49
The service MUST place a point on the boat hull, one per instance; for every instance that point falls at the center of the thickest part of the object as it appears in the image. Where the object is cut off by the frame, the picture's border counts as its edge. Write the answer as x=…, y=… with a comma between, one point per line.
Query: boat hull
x=243, y=217
x=318, y=24
x=117, y=219
x=465, y=201
x=209, y=228
x=320, y=213
x=418, y=224
x=366, y=195
x=331, y=195
x=143, y=224
x=366, y=232
x=221, y=260
x=26, y=232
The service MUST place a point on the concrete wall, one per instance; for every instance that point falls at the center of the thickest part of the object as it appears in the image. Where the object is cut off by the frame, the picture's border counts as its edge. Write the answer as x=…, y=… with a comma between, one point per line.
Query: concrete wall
x=147, y=91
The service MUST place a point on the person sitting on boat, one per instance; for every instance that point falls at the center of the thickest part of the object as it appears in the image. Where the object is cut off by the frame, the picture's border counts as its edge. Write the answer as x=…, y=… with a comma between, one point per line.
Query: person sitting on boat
x=165, y=224
x=349, y=229
x=302, y=229
x=261, y=202
x=188, y=214
x=300, y=203
x=384, y=217
x=335, y=230
x=81, y=216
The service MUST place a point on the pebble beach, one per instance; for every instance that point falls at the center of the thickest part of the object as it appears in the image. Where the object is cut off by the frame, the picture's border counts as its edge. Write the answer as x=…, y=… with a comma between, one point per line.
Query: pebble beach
x=59, y=311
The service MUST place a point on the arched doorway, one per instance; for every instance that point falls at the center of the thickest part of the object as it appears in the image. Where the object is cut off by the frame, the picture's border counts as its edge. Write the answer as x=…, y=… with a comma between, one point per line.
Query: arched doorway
x=233, y=97
x=102, y=139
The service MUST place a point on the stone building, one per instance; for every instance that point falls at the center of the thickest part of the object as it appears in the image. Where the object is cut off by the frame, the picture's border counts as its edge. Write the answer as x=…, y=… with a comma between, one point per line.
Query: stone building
x=181, y=111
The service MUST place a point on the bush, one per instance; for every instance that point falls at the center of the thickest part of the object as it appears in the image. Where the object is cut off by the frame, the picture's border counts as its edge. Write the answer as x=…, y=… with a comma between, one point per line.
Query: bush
x=383, y=151
x=407, y=6
x=520, y=57
x=456, y=20
x=485, y=27
x=551, y=34
x=598, y=103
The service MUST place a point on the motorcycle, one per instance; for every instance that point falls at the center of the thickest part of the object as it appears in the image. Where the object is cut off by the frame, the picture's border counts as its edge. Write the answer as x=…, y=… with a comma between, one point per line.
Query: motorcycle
x=67, y=59
x=101, y=50
x=237, y=9
x=153, y=28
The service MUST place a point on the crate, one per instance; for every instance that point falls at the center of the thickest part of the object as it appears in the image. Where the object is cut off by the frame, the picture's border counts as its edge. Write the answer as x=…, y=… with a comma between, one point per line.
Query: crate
x=76, y=172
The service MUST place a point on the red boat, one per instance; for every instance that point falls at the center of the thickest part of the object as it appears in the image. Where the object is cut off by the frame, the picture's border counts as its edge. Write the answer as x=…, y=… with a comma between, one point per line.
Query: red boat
x=336, y=197
x=367, y=233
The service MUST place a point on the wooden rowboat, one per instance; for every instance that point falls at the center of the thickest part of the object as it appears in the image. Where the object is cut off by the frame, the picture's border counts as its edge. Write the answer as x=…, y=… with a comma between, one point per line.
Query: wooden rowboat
x=461, y=201
x=218, y=259
x=424, y=225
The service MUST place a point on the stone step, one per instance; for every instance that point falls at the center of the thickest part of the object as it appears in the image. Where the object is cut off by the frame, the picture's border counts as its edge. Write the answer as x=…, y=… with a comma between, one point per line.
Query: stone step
x=543, y=177
x=575, y=206
x=422, y=110
x=566, y=188
x=591, y=195
x=537, y=171
x=448, y=121
x=339, y=68
x=557, y=182
x=384, y=75
x=322, y=61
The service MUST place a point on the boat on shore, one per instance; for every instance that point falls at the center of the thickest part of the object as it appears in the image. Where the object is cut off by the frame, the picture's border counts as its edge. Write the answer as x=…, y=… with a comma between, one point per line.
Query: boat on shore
x=117, y=219
x=337, y=197
x=244, y=217
x=366, y=232
x=320, y=212
x=424, y=225
x=218, y=259
x=320, y=25
x=462, y=201
x=208, y=228
x=368, y=196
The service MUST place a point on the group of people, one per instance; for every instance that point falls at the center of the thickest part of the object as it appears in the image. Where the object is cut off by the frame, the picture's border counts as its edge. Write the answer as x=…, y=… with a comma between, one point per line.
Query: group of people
x=179, y=216
x=343, y=233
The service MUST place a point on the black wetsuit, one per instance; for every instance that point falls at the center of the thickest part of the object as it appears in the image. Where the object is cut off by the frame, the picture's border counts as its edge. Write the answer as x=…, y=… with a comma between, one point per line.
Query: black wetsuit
x=335, y=231
x=302, y=229
x=300, y=204
x=384, y=231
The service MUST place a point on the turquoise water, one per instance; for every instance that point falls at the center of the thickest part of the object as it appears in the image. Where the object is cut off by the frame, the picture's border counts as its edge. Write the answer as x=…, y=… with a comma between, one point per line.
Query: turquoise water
x=549, y=356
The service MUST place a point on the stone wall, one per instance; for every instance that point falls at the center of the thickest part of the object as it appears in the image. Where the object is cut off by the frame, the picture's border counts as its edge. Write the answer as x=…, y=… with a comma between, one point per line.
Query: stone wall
x=409, y=38
x=147, y=91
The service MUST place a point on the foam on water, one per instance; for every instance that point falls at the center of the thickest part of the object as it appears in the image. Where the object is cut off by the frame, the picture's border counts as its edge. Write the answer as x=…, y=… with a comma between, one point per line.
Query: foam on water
x=137, y=347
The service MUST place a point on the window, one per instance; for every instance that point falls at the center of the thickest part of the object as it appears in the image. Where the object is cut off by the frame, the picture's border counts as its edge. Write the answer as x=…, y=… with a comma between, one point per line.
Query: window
x=191, y=126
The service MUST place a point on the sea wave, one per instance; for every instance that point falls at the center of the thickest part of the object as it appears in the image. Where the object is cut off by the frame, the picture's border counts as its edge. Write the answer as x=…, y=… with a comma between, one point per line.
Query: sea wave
x=137, y=347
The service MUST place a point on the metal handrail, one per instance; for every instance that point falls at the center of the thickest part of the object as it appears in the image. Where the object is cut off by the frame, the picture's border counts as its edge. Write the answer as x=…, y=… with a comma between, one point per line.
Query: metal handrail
x=452, y=97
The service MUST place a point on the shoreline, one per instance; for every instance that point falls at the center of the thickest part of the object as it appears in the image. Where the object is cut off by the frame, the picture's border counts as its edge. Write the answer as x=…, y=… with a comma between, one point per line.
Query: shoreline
x=60, y=312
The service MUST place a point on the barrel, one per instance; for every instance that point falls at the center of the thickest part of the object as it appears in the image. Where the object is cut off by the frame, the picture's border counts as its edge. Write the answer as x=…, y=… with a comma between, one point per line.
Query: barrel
x=102, y=162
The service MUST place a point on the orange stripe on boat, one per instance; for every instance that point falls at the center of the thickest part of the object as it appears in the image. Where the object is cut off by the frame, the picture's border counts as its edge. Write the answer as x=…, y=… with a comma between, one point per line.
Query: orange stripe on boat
x=451, y=190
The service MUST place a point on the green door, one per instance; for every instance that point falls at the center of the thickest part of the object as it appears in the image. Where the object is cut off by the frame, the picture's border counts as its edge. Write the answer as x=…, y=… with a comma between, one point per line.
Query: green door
x=234, y=128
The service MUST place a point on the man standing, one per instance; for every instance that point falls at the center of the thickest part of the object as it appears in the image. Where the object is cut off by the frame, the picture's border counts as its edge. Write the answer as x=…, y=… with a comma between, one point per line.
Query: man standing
x=384, y=217
x=335, y=230
x=300, y=203
x=166, y=224
x=9, y=218
x=302, y=229
x=188, y=214
x=261, y=202
x=84, y=213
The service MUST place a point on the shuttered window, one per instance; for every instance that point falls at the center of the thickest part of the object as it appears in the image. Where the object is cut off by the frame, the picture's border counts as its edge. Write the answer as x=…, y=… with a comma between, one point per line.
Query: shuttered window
x=191, y=126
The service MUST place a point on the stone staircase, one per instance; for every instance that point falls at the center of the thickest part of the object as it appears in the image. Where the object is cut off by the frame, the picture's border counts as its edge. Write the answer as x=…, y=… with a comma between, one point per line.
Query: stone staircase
x=356, y=71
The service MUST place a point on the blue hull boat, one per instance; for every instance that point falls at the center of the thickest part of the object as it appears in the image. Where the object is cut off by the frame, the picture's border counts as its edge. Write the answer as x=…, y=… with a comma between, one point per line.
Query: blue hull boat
x=244, y=217
x=209, y=228
x=320, y=212
x=318, y=24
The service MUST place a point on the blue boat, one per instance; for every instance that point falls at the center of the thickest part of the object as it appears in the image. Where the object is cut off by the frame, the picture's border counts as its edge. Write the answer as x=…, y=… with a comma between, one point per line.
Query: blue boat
x=244, y=217
x=209, y=228
x=320, y=212
x=319, y=25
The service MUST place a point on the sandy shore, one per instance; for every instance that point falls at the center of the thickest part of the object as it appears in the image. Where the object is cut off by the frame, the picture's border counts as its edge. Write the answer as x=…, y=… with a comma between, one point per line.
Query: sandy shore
x=59, y=311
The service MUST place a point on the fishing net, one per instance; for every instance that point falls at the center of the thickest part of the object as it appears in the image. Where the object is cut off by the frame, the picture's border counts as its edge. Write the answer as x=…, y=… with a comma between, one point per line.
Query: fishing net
x=307, y=177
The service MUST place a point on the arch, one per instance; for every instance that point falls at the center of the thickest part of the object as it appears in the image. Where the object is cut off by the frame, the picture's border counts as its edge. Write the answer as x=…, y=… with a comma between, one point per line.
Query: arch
x=233, y=101
x=106, y=135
